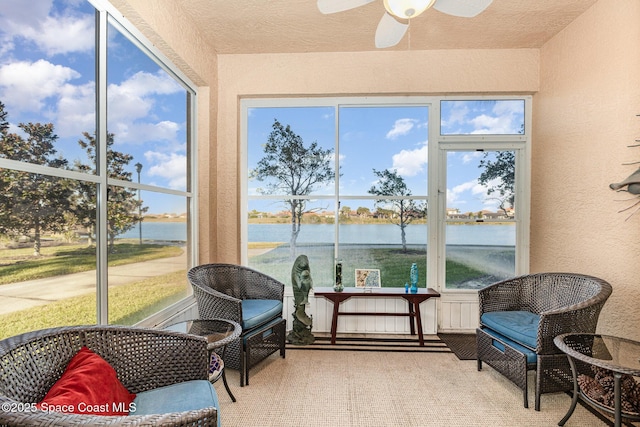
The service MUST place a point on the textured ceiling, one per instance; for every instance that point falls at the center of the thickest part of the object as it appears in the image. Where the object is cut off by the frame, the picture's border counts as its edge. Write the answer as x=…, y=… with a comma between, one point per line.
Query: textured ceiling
x=288, y=26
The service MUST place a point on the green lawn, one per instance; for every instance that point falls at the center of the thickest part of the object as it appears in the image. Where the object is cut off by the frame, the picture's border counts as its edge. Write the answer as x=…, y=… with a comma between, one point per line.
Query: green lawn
x=128, y=304
x=18, y=265
x=392, y=261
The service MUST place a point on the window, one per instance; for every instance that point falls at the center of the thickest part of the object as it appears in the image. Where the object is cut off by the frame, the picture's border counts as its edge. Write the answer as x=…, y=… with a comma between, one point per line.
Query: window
x=410, y=179
x=89, y=186
x=480, y=230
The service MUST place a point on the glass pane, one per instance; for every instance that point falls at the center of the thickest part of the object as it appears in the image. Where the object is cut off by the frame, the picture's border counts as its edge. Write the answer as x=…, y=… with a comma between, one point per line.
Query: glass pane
x=47, y=78
x=47, y=254
x=147, y=117
x=273, y=244
x=385, y=236
x=291, y=151
x=497, y=117
x=148, y=258
x=481, y=228
x=379, y=139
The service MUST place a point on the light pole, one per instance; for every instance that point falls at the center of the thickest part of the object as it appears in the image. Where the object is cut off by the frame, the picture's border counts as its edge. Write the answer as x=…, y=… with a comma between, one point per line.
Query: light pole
x=138, y=169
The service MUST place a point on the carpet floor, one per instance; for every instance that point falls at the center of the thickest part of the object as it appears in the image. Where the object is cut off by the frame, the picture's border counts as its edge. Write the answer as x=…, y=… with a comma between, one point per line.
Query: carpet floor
x=354, y=388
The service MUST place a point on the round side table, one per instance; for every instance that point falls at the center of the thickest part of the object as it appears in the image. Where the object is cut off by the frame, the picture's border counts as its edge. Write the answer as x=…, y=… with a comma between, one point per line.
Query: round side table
x=591, y=353
x=219, y=333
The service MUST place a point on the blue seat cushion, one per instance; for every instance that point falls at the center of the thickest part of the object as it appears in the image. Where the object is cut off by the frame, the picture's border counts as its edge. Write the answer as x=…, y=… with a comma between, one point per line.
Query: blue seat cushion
x=530, y=354
x=519, y=326
x=266, y=329
x=185, y=396
x=255, y=312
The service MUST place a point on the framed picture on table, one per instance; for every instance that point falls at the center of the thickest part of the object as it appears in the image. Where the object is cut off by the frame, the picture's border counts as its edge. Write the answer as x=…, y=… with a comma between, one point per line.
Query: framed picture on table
x=367, y=278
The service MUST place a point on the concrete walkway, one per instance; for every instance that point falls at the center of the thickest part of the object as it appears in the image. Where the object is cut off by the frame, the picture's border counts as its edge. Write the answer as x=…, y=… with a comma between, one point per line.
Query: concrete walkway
x=23, y=295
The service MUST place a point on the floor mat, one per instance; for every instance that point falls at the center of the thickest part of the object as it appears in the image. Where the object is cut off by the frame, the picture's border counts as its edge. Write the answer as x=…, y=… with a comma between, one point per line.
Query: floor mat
x=431, y=345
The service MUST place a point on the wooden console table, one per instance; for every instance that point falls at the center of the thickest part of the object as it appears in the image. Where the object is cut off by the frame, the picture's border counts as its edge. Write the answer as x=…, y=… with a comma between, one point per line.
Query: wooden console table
x=414, y=300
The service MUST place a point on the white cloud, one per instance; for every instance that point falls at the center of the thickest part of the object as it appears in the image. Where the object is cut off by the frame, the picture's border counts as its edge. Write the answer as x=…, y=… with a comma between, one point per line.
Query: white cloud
x=52, y=34
x=462, y=195
x=130, y=104
x=172, y=167
x=76, y=110
x=485, y=124
x=26, y=85
x=471, y=156
x=401, y=127
x=143, y=84
x=475, y=117
x=410, y=162
x=458, y=114
x=139, y=133
x=61, y=35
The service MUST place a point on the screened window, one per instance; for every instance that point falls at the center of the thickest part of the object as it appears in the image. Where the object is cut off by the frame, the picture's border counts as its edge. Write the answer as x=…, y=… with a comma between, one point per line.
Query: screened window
x=93, y=177
x=396, y=181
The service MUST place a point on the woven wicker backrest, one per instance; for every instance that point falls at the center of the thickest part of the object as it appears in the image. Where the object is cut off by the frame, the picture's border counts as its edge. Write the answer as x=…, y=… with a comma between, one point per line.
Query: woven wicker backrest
x=144, y=359
x=226, y=278
x=32, y=363
x=552, y=291
x=236, y=281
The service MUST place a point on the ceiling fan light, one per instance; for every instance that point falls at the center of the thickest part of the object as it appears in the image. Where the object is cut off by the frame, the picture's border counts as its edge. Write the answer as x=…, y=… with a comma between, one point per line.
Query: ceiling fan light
x=406, y=9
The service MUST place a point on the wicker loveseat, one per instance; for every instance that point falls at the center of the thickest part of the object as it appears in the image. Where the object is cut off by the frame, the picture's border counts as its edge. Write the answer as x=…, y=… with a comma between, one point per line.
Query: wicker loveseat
x=520, y=317
x=143, y=359
x=246, y=296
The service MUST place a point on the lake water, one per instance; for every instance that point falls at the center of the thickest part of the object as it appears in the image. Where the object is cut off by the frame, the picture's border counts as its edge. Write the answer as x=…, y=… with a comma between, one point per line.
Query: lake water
x=473, y=234
x=174, y=231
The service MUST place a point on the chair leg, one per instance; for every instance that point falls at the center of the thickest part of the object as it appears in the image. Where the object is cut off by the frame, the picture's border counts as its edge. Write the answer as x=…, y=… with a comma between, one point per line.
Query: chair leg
x=283, y=333
x=243, y=364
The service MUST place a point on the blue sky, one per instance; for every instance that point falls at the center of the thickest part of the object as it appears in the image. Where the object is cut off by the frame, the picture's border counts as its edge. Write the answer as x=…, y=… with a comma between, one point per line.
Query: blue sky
x=391, y=137
x=47, y=75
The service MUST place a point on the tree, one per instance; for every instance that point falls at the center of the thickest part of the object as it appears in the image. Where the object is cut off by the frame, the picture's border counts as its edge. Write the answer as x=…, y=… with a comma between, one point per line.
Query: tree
x=363, y=212
x=390, y=183
x=503, y=169
x=124, y=210
x=31, y=202
x=296, y=170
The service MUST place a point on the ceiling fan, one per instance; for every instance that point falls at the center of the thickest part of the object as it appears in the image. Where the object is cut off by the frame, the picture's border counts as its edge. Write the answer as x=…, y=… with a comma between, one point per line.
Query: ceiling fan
x=390, y=31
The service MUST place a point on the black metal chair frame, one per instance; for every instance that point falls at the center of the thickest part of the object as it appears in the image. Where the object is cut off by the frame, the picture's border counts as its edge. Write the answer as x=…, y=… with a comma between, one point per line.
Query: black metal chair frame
x=219, y=290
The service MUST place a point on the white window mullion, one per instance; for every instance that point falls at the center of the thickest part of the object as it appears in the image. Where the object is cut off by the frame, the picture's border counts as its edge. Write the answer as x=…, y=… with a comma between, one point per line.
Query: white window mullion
x=101, y=169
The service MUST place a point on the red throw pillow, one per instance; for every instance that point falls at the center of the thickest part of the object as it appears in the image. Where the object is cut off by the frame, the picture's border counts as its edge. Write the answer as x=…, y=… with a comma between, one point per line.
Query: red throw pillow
x=89, y=385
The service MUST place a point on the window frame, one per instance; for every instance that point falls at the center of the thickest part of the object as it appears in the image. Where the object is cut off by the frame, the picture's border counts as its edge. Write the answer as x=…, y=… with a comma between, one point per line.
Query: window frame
x=436, y=174
x=106, y=14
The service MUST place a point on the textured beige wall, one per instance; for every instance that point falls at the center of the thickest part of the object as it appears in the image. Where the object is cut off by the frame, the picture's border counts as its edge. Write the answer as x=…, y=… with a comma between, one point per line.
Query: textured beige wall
x=584, y=119
x=344, y=74
x=168, y=28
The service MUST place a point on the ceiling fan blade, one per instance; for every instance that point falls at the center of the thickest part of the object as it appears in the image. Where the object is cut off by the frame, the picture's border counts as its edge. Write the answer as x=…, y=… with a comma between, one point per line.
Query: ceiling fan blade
x=333, y=6
x=462, y=8
x=389, y=32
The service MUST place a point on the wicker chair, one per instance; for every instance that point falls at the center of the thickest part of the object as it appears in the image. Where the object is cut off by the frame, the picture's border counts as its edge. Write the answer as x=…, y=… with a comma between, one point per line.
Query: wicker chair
x=224, y=291
x=143, y=359
x=565, y=303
